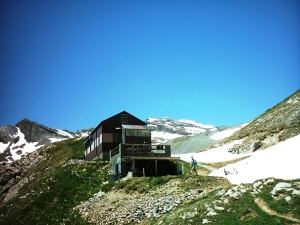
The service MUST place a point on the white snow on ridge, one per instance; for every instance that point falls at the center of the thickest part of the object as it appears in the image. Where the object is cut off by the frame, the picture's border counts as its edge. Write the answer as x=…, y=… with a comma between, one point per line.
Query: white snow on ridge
x=226, y=133
x=194, y=130
x=165, y=135
x=152, y=119
x=196, y=123
x=64, y=133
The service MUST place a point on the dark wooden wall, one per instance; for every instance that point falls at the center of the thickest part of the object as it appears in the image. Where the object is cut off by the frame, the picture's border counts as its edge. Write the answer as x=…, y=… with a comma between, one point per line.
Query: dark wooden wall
x=109, y=127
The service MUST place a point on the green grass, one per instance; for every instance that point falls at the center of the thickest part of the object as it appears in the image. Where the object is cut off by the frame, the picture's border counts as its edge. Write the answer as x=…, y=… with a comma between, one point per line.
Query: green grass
x=52, y=194
x=279, y=204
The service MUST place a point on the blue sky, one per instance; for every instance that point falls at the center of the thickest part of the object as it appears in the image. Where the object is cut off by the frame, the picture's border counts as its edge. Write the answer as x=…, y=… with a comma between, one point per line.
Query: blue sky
x=71, y=64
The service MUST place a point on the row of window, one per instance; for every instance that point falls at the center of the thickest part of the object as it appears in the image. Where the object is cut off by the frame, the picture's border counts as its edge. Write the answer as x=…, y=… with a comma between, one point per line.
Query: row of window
x=138, y=133
x=98, y=141
x=95, y=143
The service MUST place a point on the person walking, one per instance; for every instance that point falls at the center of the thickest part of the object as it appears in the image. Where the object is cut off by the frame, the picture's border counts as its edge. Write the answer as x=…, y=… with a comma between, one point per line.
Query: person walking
x=193, y=165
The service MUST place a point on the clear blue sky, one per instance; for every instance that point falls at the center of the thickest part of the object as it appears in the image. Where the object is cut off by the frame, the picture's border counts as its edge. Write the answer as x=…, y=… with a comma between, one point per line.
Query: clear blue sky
x=71, y=64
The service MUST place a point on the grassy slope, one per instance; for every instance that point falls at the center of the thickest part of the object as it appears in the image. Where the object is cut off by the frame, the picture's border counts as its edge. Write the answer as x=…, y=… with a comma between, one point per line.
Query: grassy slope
x=52, y=194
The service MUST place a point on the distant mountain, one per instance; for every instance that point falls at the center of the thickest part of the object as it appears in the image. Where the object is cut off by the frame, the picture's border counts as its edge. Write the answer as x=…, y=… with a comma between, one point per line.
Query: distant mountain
x=27, y=136
x=165, y=129
x=187, y=136
x=183, y=135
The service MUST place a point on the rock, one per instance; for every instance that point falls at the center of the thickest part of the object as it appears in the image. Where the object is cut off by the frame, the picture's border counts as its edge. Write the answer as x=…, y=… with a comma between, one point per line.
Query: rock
x=296, y=192
x=280, y=186
x=211, y=213
x=205, y=221
x=219, y=208
x=288, y=198
x=7, y=133
x=269, y=181
x=257, y=184
x=221, y=192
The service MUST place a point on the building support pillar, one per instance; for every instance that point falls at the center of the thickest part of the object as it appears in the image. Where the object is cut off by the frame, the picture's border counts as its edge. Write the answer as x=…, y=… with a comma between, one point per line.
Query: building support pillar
x=155, y=167
x=132, y=167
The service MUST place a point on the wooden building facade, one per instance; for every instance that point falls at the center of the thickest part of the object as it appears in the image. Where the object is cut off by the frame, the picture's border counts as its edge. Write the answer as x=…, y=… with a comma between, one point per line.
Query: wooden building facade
x=120, y=128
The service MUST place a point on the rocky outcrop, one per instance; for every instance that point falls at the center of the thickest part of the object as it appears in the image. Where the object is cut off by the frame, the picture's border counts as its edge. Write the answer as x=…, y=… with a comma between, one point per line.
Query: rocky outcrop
x=122, y=208
x=118, y=207
x=35, y=132
x=7, y=133
x=12, y=177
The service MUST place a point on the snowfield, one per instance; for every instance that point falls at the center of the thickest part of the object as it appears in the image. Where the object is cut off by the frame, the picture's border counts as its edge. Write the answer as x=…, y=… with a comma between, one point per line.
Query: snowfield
x=278, y=161
x=226, y=133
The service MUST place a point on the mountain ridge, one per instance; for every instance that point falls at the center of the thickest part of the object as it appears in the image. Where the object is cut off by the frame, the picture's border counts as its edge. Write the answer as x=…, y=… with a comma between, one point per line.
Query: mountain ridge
x=27, y=136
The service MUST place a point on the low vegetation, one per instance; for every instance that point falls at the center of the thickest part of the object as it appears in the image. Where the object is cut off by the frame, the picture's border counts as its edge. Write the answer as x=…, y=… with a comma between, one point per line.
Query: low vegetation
x=56, y=187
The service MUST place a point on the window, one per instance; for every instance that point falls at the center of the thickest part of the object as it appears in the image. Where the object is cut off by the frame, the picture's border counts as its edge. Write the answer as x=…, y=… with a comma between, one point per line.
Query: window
x=138, y=133
x=124, y=118
x=100, y=139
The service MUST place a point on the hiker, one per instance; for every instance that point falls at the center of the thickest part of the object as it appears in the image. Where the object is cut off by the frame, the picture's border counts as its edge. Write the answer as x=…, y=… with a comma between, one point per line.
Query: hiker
x=193, y=165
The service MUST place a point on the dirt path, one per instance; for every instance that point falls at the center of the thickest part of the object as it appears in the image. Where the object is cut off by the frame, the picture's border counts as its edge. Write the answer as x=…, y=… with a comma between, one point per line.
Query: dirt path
x=263, y=206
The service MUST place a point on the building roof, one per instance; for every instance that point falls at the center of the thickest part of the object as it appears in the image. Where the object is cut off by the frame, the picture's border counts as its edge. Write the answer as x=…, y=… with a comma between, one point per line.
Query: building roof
x=136, y=127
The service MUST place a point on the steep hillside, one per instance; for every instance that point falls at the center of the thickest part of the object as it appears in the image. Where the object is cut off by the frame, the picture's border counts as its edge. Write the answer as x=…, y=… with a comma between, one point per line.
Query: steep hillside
x=202, y=141
x=42, y=187
x=278, y=123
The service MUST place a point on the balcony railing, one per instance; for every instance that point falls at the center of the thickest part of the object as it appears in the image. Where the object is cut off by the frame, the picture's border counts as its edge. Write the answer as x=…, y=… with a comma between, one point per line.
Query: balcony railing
x=127, y=150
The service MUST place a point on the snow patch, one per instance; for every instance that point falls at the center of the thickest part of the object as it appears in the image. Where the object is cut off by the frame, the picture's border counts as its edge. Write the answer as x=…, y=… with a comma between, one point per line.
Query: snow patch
x=164, y=136
x=22, y=145
x=64, y=133
x=278, y=161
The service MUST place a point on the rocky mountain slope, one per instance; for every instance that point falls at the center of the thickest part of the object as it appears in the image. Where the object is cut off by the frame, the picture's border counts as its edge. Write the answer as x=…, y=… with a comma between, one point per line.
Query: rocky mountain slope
x=27, y=136
x=277, y=124
x=165, y=129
